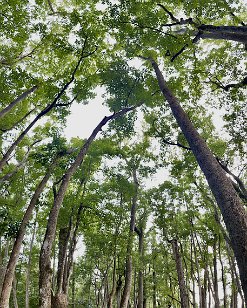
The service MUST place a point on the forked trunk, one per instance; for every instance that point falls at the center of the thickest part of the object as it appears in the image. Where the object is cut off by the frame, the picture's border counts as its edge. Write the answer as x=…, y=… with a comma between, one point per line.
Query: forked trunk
x=8, y=279
x=46, y=249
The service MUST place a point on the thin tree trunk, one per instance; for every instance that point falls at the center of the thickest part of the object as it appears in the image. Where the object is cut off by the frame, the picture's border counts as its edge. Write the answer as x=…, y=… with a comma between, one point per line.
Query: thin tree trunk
x=140, y=273
x=197, y=267
x=8, y=279
x=113, y=290
x=4, y=258
x=45, y=111
x=128, y=267
x=45, y=254
x=118, y=291
x=223, y=277
x=181, y=280
x=215, y=276
x=230, y=204
x=17, y=100
x=154, y=289
x=14, y=293
x=28, y=270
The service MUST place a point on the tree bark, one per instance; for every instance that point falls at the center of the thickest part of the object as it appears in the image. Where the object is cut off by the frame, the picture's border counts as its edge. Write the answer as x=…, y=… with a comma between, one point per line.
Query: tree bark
x=28, y=270
x=8, y=279
x=45, y=254
x=14, y=292
x=17, y=100
x=128, y=267
x=230, y=204
x=215, y=276
x=140, y=272
x=181, y=281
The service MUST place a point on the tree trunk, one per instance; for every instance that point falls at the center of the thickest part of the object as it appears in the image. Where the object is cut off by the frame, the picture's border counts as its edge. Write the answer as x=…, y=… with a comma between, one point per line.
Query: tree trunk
x=215, y=276
x=45, y=254
x=29, y=267
x=140, y=273
x=8, y=279
x=113, y=290
x=128, y=267
x=230, y=204
x=118, y=291
x=230, y=33
x=181, y=281
x=14, y=292
x=154, y=289
x=17, y=100
x=45, y=111
x=223, y=277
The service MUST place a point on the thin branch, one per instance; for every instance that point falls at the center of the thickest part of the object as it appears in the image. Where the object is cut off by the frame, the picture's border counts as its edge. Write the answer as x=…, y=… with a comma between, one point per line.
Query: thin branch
x=18, y=122
x=168, y=12
x=67, y=104
x=236, y=178
x=148, y=27
x=159, y=134
x=227, y=87
x=51, y=7
x=20, y=165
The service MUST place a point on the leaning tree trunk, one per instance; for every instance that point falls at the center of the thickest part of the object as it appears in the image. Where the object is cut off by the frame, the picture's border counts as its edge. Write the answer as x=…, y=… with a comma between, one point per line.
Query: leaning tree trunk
x=181, y=281
x=45, y=254
x=128, y=267
x=9, y=275
x=45, y=111
x=17, y=100
x=230, y=204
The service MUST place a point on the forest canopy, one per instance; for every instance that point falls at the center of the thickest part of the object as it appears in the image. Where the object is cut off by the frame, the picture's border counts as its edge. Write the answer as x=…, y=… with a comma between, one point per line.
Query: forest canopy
x=149, y=210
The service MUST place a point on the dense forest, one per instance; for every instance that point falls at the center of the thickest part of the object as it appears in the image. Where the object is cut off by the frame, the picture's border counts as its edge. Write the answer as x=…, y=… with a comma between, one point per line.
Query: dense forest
x=149, y=210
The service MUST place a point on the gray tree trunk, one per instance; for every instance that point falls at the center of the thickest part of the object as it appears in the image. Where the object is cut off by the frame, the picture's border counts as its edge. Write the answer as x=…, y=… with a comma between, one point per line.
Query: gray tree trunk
x=230, y=204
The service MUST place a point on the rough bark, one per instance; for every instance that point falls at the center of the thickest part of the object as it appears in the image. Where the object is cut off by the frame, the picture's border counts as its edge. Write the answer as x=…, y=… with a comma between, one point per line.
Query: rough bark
x=180, y=272
x=128, y=266
x=17, y=100
x=8, y=279
x=45, y=254
x=230, y=204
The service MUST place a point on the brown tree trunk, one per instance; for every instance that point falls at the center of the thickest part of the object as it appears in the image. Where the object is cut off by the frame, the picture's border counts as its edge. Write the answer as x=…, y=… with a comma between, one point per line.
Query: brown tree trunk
x=28, y=270
x=45, y=254
x=118, y=291
x=14, y=292
x=181, y=281
x=113, y=290
x=230, y=204
x=223, y=277
x=8, y=279
x=140, y=273
x=215, y=276
x=128, y=267
x=17, y=100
